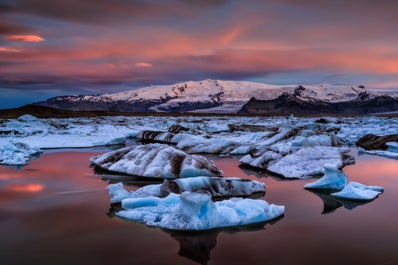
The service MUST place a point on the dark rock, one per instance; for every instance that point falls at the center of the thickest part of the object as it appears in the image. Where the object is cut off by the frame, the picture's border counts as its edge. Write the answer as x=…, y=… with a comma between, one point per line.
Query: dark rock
x=287, y=104
x=374, y=142
x=177, y=128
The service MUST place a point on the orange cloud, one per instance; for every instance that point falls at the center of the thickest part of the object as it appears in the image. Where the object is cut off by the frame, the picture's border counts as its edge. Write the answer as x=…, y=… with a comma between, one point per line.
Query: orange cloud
x=25, y=38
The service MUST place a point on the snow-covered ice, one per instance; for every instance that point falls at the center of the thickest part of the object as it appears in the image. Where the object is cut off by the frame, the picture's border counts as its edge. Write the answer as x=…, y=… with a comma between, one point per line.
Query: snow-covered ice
x=156, y=161
x=271, y=137
x=357, y=191
x=333, y=179
x=301, y=163
x=196, y=211
x=16, y=153
x=218, y=187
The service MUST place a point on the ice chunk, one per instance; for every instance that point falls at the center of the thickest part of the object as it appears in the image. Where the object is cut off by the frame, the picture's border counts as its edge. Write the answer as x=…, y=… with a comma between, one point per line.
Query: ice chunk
x=16, y=153
x=386, y=153
x=156, y=161
x=358, y=191
x=308, y=161
x=196, y=211
x=261, y=161
x=314, y=140
x=218, y=187
x=333, y=178
x=392, y=147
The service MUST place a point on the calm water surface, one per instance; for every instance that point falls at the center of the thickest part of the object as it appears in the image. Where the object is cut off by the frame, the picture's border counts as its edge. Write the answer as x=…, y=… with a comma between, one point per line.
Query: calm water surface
x=56, y=211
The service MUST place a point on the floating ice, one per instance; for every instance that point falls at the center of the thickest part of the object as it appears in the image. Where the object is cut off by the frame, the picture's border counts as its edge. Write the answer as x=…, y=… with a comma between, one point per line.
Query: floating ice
x=358, y=191
x=308, y=161
x=156, y=161
x=196, y=211
x=333, y=179
x=261, y=161
x=392, y=147
x=218, y=187
x=16, y=153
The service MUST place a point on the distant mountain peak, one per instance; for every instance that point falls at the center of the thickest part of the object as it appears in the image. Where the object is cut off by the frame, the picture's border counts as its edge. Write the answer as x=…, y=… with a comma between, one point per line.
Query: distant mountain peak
x=209, y=95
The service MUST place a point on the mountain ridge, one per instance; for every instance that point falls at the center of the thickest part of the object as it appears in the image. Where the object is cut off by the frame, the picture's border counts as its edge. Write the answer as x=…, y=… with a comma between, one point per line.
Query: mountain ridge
x=217, y=96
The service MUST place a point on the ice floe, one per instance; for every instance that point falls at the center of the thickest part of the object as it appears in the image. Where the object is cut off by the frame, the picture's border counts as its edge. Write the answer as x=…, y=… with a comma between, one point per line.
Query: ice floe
x=155, y=161
x=302, y=163
x=196, y=211
x=218, y=187
x=333, y=179
x=357, y=191
x=16, y=153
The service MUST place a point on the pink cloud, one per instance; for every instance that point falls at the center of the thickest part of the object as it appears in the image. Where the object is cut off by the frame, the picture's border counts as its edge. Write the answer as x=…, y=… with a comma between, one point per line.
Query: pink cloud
x=143, y=64
x=24, y=38
x=9, y=49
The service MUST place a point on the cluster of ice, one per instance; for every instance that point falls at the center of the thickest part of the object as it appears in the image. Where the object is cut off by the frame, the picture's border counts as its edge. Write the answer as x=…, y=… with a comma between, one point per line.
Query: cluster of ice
x=217, y=187
x=69, y=132
x=258, y=136
x=197, y=211
x=336, y=180
x=16, y=153
x=156, y=161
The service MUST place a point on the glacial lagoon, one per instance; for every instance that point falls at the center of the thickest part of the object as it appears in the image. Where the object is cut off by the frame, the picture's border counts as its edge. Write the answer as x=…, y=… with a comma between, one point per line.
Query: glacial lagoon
x=56, y=210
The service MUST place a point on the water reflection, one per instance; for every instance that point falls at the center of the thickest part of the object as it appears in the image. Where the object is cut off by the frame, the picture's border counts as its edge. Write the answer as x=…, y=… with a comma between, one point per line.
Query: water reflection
x=197, y=245
x=25, y=187
x=331, y=203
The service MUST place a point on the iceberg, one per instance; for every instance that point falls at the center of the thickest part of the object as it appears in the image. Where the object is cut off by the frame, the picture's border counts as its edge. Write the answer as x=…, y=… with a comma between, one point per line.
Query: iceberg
x=218, y=187
x=333, y=179
x=196, y=211
x=156, y=161
x=308, y=161
x=16, y=153
x=358, y=191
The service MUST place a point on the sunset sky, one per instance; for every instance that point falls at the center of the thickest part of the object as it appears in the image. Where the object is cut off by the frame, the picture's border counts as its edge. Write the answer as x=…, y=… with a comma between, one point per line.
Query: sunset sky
x=52, y=47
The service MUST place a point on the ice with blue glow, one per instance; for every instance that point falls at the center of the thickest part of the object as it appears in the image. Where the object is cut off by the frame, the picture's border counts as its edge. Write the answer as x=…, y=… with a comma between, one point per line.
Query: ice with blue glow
x=333, y=179
x=218, y=187
x=16, y=153
x=196, y=211
x=358, y=191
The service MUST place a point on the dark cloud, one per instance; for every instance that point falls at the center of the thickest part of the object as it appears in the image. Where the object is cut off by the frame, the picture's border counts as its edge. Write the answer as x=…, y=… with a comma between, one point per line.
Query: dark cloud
x=105, y=11
x=10, y=28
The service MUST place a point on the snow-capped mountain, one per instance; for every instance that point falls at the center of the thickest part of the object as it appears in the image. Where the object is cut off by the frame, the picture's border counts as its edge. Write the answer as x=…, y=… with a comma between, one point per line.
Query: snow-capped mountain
x=215, y=96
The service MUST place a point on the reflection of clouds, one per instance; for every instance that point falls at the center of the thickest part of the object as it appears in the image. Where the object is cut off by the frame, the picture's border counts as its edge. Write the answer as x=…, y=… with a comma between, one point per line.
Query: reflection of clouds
x=25, y=187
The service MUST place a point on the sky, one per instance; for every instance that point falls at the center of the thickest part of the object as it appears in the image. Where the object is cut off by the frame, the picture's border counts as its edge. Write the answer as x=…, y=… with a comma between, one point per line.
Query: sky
x=53, y=47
